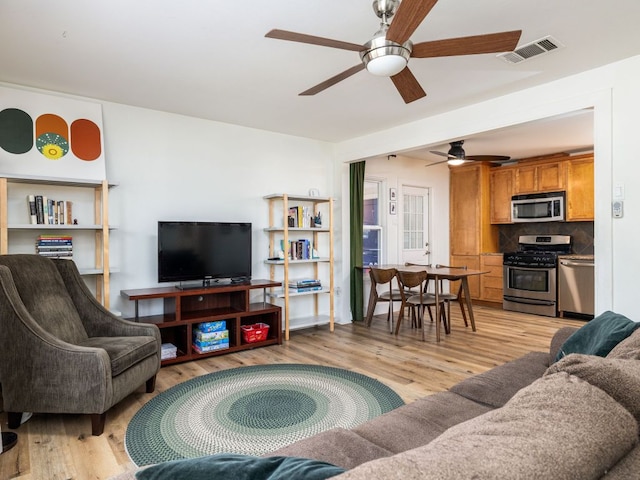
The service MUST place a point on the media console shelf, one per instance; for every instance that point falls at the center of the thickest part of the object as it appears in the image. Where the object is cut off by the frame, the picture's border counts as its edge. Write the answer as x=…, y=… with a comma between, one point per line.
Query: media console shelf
x=184, y=309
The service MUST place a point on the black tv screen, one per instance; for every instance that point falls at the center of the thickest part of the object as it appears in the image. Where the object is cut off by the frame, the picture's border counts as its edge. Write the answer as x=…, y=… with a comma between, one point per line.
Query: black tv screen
x=203, y=251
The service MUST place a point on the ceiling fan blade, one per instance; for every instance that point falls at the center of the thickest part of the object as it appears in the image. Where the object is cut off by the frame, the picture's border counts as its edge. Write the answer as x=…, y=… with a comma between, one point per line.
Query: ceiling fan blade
x=487, y=43
x=408, y=86
x=333, y=80
x=407, y=18
x=487, y=158
x=436, y=163
x=442, y=154
x=304, y=38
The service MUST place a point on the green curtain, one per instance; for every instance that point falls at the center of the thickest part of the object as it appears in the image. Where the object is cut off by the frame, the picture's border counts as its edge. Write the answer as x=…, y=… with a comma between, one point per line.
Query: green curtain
x=356, y=207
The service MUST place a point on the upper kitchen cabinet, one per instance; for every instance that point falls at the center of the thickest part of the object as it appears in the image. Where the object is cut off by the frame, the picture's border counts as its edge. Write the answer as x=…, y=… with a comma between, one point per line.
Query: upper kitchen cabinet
x=471, y=232
x=540, y=176
x=580, y=189
x=502, y=185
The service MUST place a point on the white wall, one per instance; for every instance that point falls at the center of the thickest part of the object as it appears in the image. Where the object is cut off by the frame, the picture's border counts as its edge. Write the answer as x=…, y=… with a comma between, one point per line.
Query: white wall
x=172, y=167
x=612, y=91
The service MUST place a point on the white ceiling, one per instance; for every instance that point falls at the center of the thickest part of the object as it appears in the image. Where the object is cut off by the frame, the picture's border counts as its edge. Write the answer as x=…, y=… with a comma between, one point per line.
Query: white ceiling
x=210, y=59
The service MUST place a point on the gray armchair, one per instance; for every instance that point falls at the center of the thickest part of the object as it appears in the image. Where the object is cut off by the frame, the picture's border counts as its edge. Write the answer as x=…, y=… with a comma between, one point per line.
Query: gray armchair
x=61, y=351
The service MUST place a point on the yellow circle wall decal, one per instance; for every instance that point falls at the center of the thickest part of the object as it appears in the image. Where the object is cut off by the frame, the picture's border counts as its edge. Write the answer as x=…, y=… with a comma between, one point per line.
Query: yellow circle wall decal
x=52, y=146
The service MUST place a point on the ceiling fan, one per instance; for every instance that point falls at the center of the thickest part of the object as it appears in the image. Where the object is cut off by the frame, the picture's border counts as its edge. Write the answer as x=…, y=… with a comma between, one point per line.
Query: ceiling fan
x=388, y=52
x=457, y=156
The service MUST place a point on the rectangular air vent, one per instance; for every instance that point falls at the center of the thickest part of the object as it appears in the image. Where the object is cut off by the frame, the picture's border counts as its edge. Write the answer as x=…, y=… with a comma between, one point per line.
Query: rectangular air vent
x=544, y=45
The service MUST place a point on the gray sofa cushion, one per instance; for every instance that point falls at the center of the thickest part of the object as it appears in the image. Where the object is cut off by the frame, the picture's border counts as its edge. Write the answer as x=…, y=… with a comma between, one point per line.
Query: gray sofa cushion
x=627, y=468
x=628, y=348
x=559, y=427
x=338, y=446
x=496, y=386
x=557, y=340
x=620, y=378
x=419, y=422
x=124, y=352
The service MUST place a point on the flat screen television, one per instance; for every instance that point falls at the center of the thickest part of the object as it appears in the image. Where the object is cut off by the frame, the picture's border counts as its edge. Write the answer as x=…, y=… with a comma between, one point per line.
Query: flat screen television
x=208, y=252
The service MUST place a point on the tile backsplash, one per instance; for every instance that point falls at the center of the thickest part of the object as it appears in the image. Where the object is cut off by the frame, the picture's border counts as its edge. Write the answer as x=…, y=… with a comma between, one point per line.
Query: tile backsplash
x=581, y=234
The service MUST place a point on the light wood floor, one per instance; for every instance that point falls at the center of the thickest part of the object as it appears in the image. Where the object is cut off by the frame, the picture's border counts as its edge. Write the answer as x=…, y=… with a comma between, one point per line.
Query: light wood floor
x=61, y=446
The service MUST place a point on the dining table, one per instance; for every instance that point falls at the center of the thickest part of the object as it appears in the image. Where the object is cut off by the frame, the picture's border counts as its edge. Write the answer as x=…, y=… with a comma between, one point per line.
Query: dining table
x=438, y=273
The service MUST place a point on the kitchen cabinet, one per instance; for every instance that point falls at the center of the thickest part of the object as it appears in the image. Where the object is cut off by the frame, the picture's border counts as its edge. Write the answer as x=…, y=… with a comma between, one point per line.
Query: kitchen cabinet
x=491, y=282
x=538, y=177
x=580, y=189
x=471, y=232
x=472, y=262
x=501, y=185
x=557, y=173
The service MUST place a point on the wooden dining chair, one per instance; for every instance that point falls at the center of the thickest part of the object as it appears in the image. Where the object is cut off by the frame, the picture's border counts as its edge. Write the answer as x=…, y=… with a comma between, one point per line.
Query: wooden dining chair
x=383, y=278
x=453, y=297
x=426, y=287
x=417, y=302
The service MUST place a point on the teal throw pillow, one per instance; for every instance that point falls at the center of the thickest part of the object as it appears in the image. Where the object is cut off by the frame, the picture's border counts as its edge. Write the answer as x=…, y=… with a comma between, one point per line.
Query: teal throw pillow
x=598, y=336
x=240, y=467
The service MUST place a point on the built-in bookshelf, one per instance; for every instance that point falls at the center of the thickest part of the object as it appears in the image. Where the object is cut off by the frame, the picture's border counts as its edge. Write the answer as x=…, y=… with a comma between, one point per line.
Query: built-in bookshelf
x=76, y=220
x=301, y=254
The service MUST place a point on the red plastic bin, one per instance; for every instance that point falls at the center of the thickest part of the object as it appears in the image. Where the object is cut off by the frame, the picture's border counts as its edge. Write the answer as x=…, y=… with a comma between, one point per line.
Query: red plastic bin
x=255, y=333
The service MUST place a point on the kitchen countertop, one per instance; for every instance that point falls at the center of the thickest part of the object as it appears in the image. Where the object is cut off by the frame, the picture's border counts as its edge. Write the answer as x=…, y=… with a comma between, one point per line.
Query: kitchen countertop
x=575, y=256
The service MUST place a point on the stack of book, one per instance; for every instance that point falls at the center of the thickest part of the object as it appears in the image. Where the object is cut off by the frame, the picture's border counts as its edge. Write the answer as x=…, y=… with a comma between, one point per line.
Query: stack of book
x=46, y=211
x=169, y=350
x=305, y=285
x=55, y=246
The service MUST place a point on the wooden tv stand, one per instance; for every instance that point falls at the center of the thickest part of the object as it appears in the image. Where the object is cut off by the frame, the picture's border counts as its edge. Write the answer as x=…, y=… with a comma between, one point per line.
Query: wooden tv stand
x=184, y=309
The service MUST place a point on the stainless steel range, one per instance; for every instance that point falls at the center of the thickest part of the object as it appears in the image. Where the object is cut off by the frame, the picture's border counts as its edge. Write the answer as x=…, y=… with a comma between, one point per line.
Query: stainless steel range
x=530, y=274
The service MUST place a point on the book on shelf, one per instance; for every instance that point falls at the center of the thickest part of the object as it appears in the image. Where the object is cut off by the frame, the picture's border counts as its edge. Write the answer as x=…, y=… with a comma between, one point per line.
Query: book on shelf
x=314, y=288
x=54, y=240
x=46, y=211
x=56, y=253
x=33, y=212
x=298, y=249
x=299, y=217
x=304, y=282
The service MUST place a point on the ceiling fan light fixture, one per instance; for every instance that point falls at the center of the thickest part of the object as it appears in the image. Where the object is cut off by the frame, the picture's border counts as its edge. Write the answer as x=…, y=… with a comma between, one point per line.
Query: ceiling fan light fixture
x=456, y=162
x=385, y=58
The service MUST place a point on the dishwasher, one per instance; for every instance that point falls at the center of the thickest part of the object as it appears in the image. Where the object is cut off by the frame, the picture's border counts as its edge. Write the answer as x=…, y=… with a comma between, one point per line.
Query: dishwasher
x=576, y=290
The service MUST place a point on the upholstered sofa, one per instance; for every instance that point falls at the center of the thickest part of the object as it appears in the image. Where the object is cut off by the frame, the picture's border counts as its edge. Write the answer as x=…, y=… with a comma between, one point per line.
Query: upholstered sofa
x=535, y=417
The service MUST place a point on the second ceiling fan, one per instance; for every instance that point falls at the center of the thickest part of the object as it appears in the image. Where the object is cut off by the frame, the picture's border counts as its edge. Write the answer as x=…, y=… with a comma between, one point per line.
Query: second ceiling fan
x=457, y=156
x=388, y=52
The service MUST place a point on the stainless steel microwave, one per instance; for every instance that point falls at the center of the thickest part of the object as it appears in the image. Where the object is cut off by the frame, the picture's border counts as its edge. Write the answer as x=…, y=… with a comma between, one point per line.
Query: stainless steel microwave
x=538, y=207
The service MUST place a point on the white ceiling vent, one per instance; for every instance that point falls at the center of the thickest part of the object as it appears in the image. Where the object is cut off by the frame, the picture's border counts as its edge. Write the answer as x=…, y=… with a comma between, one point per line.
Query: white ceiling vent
x=533, y=49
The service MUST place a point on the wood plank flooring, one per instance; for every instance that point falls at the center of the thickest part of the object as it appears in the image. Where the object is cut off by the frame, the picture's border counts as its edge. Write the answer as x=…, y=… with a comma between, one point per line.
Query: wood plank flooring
x=61, y=447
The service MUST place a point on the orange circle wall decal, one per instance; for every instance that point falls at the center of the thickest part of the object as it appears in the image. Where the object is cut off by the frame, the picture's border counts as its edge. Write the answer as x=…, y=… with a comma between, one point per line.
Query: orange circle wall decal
x=85, y=139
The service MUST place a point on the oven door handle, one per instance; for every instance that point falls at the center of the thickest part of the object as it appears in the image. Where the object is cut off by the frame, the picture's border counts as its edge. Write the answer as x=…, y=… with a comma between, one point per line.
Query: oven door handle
x=528, y=301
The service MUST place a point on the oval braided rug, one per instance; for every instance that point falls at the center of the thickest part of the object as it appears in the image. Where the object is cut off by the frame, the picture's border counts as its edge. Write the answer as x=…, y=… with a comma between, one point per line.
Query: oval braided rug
x=253, y=411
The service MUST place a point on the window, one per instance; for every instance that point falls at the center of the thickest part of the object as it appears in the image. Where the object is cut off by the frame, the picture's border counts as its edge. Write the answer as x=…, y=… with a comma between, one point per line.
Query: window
x=413, y=222
x=372, y=228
